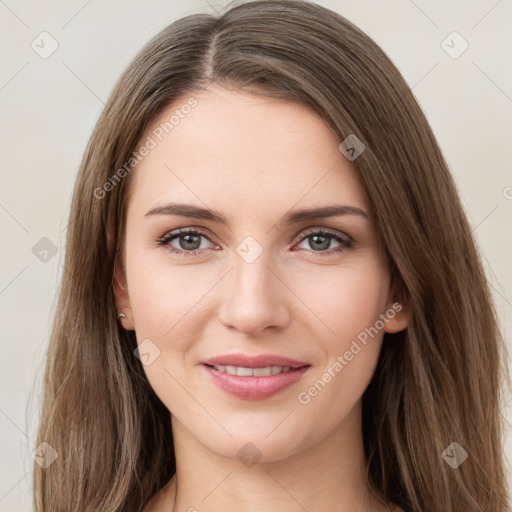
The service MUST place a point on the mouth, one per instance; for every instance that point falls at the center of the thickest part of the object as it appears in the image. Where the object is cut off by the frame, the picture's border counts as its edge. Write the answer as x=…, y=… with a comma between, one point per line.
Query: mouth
x=253, y=362
x=242, y=371
x=257, y=383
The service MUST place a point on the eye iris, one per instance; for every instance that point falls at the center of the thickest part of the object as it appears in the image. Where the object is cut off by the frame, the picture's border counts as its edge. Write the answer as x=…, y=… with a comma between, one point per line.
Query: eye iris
x=189, y=242
x=323, y=245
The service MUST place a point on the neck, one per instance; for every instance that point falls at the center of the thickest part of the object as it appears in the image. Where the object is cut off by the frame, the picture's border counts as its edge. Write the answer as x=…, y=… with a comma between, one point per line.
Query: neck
x=328, y=475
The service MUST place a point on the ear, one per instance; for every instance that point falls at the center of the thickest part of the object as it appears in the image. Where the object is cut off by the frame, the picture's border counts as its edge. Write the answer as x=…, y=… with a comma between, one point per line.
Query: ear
x=122, y=297
x=398, y=312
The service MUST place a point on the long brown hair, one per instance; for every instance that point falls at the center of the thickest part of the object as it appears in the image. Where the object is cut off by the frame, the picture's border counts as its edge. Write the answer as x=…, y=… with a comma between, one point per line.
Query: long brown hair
x=438, y=382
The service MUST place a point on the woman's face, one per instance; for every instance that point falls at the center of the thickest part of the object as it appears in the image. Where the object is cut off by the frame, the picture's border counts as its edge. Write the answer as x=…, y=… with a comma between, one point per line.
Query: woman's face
x=257, y=283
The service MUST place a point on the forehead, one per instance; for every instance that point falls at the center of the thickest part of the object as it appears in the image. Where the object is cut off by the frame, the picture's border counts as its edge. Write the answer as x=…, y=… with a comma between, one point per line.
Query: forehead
x=239, y=152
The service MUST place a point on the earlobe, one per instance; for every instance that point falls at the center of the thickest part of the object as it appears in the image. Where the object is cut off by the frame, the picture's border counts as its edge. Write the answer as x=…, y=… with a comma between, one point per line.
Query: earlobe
x=399, y=322
x=122, y=299
x=398, y=314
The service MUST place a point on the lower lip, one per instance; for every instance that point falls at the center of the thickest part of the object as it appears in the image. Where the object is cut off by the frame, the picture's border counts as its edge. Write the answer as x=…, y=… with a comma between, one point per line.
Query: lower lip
x=255, y=388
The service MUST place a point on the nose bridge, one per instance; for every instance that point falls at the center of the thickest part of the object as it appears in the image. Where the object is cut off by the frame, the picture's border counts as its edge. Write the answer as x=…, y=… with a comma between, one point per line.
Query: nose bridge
x=252, y=261
x=254, y=297
x=252, y=279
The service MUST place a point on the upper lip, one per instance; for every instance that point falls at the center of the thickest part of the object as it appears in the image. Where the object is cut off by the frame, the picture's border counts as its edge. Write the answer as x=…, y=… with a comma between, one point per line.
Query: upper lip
x=259, y=361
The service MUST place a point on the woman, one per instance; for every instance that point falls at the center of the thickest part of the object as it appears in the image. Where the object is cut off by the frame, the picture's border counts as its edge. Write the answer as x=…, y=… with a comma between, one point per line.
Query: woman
x=272, y=299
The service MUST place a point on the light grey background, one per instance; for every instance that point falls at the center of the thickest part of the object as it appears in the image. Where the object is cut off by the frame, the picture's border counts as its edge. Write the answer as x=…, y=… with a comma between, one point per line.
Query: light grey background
x=49, y=107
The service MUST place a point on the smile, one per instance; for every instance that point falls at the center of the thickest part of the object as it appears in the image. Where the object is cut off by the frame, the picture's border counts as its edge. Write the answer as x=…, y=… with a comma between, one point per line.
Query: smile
x=254, y=383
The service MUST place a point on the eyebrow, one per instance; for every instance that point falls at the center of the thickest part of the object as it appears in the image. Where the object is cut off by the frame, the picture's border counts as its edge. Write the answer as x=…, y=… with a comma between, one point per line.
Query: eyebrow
x=195, y=212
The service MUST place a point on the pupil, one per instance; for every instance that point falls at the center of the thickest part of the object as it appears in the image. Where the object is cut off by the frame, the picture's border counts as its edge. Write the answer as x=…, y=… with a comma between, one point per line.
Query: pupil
x=325, y=244
x=188, y=242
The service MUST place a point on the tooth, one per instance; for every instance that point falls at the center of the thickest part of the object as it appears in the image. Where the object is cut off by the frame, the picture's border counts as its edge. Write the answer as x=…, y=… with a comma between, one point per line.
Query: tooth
x=263, y=372
x=250, y=372
x=244, y=372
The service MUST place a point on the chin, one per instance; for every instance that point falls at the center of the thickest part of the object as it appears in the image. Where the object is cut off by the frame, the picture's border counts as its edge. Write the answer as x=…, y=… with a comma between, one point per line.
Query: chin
x=250, y=449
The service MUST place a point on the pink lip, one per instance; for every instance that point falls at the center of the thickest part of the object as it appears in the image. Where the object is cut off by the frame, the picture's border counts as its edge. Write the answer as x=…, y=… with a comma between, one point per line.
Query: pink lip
x=259, y=361
x=254, y=388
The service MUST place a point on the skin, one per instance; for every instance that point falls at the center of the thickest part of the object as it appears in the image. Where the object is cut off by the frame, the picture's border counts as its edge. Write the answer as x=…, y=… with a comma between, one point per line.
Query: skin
x=254, y=159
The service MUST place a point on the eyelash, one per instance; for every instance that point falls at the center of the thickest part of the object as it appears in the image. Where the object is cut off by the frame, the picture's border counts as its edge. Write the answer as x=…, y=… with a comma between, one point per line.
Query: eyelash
x=345, y=241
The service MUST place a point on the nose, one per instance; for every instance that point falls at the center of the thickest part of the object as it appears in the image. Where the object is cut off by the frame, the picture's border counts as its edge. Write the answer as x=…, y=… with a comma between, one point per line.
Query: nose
x=254, y=298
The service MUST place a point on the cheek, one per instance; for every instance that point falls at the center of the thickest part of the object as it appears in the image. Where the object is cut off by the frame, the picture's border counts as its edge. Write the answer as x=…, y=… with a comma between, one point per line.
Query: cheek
x=166, y=306
x=164, y=296
x=349, y=303
x=171, y=305
x=345, y=299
